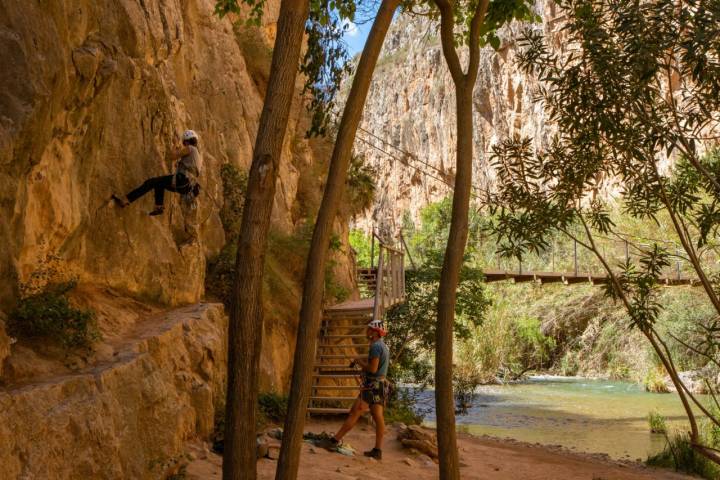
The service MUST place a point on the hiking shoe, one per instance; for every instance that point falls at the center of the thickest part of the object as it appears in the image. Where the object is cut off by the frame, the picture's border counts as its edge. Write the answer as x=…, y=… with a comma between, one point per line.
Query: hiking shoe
x=375, y=453
x=159, y=209
x=120, y=201
x=329, y=444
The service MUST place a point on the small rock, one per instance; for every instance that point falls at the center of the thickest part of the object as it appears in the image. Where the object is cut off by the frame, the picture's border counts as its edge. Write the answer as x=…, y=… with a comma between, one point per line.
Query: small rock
x=273, y=452
x=409, y=462
x=262, y=450
x=312, y=450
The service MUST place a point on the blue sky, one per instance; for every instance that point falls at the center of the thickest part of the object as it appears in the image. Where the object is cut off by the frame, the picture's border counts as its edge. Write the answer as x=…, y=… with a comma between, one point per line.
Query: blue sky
x=355, y=37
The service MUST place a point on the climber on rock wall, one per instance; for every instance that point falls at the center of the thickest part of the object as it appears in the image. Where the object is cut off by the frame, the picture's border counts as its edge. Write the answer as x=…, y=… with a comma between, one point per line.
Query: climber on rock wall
x=184, y=181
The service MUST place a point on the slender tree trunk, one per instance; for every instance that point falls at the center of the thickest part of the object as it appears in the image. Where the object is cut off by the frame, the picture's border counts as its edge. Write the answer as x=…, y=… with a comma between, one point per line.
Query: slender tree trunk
x=449, y=278
x=310, y=313
x=455, y=249
x=246, y=315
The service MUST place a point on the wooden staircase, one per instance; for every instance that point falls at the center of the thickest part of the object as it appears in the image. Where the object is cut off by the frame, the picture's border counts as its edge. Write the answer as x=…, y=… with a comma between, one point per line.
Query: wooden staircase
x=342, y=339
x=342, y=335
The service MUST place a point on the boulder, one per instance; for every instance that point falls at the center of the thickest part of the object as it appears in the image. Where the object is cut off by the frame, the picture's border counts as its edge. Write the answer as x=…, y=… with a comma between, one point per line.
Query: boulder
x=694, y=380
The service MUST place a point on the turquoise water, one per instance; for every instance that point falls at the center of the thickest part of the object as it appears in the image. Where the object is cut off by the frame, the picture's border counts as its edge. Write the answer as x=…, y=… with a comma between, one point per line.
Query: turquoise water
x=587, y=415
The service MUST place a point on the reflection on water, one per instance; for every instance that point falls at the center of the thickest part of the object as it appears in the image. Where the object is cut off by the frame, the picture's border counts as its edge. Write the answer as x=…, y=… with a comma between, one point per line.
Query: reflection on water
x=597, y=416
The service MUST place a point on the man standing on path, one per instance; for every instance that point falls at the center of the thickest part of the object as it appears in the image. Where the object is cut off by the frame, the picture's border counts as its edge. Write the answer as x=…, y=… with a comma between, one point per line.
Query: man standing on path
x=373, y=391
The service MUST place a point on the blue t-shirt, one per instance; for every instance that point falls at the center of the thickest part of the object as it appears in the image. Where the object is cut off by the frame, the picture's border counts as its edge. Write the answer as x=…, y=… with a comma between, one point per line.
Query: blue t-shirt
x=379, y=350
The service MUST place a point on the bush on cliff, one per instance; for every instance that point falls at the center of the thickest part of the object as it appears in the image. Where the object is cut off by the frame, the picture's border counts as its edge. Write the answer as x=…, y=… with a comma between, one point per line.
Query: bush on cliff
x=49, y=314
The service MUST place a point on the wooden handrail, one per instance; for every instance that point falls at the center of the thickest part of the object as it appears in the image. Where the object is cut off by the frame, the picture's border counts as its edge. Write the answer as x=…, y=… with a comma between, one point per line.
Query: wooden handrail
x=390, y=278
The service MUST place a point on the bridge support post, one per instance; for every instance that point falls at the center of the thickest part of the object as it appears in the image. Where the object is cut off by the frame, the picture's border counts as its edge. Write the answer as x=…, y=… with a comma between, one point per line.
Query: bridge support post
x=627, y=253
x=575, y=256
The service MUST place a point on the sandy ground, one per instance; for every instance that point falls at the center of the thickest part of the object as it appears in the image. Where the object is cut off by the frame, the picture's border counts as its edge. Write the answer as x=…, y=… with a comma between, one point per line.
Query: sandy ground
x=480, y=459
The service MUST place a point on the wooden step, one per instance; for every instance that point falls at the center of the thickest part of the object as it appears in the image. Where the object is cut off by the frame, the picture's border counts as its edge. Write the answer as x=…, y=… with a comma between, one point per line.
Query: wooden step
x=344, y=346
x=346, y=327
x=335, y=399
x=336, y=387
x=346, y=336
x=341, y=357
x=328, y=411
x=331, y=377
x=334, y=317
x=345, y=368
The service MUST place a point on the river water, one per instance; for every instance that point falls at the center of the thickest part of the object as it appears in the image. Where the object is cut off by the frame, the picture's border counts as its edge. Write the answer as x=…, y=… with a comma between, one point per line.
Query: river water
x=585, y=415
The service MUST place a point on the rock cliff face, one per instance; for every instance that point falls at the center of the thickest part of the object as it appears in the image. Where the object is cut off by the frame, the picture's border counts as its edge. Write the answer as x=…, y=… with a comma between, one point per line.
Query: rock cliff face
x=125, y=418
x=93, y=96
x=410, y=115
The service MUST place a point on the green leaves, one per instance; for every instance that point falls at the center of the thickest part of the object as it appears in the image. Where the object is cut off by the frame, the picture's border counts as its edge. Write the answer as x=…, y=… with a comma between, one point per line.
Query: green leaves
x=326, y=60
x=50, y=315
x=640, y=284
x=223, y=7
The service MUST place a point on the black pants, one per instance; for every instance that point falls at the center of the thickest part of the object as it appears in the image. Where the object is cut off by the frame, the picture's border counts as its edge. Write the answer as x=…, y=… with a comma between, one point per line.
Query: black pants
x=160, y=184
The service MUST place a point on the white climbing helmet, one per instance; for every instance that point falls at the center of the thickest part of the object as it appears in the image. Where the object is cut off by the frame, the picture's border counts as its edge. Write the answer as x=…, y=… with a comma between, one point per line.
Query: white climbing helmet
x=377, y=326
x=189, y=135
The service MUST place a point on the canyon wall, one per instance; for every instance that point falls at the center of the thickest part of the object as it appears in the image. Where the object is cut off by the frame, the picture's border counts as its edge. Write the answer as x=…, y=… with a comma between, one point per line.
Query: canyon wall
x=126, y=418
x=94, y=95
x=408, y=131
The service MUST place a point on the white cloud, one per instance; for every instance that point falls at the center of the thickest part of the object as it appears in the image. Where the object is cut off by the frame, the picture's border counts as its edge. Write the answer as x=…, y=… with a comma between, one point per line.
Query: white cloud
x=351, y=30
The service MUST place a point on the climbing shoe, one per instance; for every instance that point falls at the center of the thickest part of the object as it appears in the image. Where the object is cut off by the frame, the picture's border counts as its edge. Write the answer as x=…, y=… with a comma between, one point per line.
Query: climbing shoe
x=375, y=453
x=159, y=209
x=120, y=201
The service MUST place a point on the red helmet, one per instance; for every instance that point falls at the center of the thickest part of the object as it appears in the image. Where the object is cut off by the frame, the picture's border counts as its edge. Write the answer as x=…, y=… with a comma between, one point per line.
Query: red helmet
x=377, y=326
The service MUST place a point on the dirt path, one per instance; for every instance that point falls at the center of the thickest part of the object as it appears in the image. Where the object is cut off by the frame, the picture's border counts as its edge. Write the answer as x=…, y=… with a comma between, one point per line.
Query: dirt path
x=481, y=459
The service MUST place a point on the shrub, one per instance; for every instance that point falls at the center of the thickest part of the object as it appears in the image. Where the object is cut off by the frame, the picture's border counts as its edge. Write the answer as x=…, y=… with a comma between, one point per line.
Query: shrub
x=360, y=185
x=362, y=244
x=465, y=384
x=221, y=269
x=655, y=381
x=49, y=314
x=402, y=407
x=273, y=406
x=657, y=422
x=234, y=182
x=679, y=455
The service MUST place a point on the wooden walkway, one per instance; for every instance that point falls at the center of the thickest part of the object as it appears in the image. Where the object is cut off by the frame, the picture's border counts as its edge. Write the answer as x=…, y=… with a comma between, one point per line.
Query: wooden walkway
x=568, y=278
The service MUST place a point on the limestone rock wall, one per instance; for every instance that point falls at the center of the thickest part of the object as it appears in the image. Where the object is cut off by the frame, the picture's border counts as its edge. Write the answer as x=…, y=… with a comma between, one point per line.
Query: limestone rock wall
x=126, y=418
x=93, y=95
x=410, y=115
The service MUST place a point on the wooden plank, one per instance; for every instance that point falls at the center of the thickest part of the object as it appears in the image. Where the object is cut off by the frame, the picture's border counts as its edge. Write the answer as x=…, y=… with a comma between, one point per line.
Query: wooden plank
x=327, y=411
x=336, y=387
x=352, y=305
x=345, y=345
x=335, y=399
x=345, y=336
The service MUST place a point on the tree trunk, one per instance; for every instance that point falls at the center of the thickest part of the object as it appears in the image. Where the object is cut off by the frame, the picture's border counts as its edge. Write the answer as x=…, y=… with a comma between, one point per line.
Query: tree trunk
x=310, y=313
x=246, y=314
x=449, y=278
x=457, y=238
